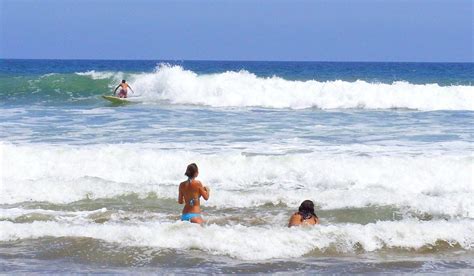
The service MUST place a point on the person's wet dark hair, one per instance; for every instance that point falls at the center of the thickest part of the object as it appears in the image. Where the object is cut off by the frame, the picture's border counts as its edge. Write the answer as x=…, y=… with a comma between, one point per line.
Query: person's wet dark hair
x=123, y=81
x=306, y=209
x=191, y=170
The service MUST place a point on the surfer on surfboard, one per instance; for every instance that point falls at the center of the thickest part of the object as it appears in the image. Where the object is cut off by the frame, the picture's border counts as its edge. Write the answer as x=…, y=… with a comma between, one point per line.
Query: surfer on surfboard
x=124, y=89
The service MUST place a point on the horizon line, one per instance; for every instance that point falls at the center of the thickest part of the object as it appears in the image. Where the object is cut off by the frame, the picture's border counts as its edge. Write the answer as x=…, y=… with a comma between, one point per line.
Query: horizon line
x=230, y=60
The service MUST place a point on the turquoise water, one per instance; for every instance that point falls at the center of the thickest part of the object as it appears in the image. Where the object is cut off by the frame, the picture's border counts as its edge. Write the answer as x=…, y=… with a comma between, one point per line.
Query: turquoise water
x=385, y=150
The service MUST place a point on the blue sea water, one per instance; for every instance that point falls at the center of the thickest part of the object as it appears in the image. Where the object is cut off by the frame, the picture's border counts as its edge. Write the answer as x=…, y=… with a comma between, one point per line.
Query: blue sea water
x=385, y=150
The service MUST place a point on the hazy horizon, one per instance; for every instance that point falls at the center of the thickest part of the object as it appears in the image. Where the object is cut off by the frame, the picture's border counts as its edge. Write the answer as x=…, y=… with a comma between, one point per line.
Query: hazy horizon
x=229, y=60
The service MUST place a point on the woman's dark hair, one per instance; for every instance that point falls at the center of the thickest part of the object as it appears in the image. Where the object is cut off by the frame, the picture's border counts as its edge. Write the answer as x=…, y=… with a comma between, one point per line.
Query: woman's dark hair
x=191, y=170
x=123, y=81
x=306, y=209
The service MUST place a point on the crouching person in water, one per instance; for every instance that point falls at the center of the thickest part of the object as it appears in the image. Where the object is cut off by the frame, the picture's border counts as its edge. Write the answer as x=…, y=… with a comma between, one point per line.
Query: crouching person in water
x=190, y=192
x=124, y=86
x=305, y=215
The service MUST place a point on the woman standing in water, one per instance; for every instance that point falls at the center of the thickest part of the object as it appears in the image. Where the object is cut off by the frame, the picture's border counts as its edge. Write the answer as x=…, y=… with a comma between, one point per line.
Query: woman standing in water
x=305, y=215
x=190, y=192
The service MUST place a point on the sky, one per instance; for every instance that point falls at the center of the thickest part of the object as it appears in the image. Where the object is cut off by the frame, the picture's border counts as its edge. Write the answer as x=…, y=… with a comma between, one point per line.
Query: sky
x=286, y=30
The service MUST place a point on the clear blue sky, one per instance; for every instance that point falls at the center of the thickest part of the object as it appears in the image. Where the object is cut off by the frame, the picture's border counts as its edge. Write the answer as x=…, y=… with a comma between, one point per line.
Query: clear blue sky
x=331, y=30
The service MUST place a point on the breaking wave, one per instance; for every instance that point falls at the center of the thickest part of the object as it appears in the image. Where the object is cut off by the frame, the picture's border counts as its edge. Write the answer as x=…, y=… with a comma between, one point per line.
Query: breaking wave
x=245, y=89
x=261, y=243
x=440, y=185
x=175, y=85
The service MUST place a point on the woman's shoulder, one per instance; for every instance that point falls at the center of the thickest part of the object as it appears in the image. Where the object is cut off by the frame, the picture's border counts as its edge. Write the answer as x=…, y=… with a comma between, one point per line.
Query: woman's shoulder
x=196, y=182
x=295, y=220
x=296, y=215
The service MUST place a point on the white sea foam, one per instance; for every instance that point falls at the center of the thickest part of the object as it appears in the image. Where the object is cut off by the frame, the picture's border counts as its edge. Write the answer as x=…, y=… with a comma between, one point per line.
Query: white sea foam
x=244, y=89
x=98, y=75
x=259, y=243
x=81, y=217
x=14, y=213
x=59, y=174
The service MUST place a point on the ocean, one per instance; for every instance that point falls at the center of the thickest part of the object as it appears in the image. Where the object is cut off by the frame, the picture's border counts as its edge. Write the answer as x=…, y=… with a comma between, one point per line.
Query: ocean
x=385, y=151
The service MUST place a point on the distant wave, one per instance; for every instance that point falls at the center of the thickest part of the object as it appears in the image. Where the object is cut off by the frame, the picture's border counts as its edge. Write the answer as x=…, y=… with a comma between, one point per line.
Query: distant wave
x=175, y=85
x=244, y=89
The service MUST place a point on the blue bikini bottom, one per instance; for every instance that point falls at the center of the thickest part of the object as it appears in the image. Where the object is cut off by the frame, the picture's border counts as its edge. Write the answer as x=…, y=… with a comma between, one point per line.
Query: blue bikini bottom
x=189, y=216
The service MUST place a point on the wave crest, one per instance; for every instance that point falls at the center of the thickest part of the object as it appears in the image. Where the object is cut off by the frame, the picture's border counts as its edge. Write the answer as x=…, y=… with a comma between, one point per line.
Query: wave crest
x=261, y=243
x=244, y=89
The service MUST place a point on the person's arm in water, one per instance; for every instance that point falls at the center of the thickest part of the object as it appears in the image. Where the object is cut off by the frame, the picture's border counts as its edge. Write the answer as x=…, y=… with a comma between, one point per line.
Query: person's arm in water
x=180, y=194
x=130, y=88
x=204, y=191
x=116, y=89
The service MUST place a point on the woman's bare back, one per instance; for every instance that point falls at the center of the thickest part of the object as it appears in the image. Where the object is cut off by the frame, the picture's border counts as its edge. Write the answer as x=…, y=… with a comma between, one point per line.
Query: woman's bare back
x=190, y=192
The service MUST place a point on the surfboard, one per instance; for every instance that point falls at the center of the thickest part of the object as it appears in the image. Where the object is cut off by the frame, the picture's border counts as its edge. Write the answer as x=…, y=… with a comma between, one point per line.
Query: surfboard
x=116, y=100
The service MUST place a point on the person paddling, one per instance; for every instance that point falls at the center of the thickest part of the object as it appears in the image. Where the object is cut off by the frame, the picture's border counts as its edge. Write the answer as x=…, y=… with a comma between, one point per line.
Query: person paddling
x=190, y=192
x=124, y=89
